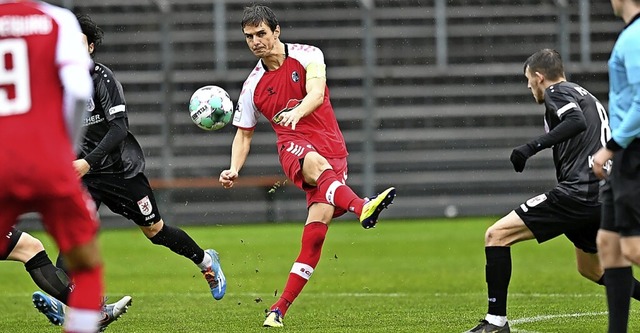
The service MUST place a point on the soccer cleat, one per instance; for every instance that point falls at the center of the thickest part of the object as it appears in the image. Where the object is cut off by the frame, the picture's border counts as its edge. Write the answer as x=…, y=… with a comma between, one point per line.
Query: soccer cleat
x=274, y=319
x=49, y=306
x=374, y=206
x=486, y=327
x=215, y=277
x=111, y=312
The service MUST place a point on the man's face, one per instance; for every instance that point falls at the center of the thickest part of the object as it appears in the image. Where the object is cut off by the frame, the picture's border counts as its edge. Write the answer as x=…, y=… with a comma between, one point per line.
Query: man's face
x=260, y=39
x=534, y=83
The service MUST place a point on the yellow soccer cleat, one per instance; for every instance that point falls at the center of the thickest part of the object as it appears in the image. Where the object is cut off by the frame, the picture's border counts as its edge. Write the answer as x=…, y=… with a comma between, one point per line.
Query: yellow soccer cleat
x=374, y=206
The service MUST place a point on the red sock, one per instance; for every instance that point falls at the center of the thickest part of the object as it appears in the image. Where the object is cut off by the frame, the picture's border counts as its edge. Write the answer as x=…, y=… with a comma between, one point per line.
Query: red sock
x=312, y=239
x=338, y=193
x=88, y=291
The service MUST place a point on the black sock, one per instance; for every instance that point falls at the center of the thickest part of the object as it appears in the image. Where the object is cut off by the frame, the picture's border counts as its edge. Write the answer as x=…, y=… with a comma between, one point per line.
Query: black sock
x=498, y=274
x=49, y=278
x=619, y=284
x=179, y=242
x=636, y=287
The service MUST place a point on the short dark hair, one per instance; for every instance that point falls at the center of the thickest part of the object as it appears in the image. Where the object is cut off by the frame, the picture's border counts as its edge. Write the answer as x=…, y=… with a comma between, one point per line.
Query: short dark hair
x=546, y=61
x=256, y=14
x=90, y=29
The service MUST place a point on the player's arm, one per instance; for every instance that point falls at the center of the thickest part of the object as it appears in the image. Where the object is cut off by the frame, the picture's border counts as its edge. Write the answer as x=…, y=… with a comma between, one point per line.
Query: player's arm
x=572, y=123
x=111, y=97
x=315, y=85
x=239, y=152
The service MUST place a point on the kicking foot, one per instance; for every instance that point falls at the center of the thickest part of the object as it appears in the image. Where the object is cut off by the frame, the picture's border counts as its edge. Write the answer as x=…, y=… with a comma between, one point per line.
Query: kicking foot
x=374, y=206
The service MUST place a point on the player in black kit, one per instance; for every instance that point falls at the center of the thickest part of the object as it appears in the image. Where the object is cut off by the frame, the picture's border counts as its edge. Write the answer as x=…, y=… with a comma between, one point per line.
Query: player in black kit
x=576, y=127
x=111, y=164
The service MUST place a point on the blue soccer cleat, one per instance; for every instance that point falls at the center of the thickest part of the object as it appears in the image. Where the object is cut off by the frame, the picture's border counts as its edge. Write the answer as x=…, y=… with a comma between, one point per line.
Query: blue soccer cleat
x=49, y=306
x=375, y=205
x=274, y=319
x=214, y=276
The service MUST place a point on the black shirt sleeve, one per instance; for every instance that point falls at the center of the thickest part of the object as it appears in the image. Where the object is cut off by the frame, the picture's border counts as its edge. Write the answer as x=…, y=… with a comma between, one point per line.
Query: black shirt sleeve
x=572, y=124
x=115, y=135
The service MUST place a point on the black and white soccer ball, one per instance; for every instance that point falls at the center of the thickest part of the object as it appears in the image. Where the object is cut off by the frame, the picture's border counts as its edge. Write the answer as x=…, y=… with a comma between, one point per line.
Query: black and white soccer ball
x=211, y=108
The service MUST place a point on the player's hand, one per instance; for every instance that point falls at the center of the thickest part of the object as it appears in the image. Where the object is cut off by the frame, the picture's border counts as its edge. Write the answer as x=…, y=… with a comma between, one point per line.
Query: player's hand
x=520, y=155
x=227, y=177
x=290, y=115
x=600, y=161
x=81, y=166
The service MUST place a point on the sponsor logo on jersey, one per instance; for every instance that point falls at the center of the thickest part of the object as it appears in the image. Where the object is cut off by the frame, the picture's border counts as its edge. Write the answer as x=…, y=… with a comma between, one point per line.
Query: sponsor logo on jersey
x=270, y=91
x=295, y=76
x=145, y=206
x=96, y=118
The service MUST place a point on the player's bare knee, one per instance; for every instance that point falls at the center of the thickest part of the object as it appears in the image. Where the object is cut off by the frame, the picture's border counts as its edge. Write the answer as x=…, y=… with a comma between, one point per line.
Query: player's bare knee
x=494, y=236
x=152, y=230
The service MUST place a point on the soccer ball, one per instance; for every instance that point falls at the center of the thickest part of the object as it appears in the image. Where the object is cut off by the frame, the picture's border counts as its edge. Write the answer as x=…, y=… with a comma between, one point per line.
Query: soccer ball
x=210, y=108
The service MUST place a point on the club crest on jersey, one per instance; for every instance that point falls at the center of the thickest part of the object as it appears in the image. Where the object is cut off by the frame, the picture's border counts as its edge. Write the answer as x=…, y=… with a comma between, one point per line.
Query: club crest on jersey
x=91, y=105
x=295, y=76
x=145, y=206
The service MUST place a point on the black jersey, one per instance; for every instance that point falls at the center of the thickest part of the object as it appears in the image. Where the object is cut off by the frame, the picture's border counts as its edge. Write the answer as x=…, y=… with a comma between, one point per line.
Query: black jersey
x=573, y=157
x=106, y=152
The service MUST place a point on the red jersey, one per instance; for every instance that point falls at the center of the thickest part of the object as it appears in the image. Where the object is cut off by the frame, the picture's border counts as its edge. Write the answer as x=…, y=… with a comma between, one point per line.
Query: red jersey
x=37, y=41
x=267, y=92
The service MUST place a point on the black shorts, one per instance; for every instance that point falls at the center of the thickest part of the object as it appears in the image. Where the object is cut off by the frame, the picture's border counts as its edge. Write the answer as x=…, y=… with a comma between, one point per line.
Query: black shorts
x=14, y=237
x=620, y=195
x=131, y=198
x=552, y=214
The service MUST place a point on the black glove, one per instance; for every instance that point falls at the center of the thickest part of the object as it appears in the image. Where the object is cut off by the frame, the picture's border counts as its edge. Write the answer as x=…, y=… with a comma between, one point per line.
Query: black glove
x=519, y=156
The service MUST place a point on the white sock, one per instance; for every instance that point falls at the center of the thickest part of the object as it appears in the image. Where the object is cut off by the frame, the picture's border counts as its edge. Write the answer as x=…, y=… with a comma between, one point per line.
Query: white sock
x=81, y=320
x=206, y=262
x=496, y=320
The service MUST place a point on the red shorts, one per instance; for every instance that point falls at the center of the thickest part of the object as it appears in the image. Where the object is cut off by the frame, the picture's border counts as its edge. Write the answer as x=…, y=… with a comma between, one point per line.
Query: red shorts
x=70, y=219
x=291, y=156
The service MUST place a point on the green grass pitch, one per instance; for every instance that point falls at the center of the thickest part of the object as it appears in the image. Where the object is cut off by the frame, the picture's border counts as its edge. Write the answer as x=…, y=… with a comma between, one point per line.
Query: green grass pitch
x=403, y=276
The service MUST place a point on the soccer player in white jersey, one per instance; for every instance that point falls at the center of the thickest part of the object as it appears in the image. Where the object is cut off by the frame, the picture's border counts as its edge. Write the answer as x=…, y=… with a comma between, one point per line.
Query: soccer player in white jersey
x=288, y=87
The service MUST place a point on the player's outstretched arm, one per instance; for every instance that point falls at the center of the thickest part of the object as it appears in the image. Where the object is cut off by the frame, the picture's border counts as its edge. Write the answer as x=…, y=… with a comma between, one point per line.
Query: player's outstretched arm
x=239, y=152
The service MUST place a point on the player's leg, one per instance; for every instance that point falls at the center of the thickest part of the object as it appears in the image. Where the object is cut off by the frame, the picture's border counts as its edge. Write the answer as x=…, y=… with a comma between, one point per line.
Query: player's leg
x=618, y=274
x=330, y=178
x=313, y=236
x=499, y=237
x=134, y=199
x=306, y=167
x=30, y=251
x=79, y=247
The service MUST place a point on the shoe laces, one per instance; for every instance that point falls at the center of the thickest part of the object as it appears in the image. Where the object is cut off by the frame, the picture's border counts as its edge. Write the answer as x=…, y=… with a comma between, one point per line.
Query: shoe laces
x=210, y=276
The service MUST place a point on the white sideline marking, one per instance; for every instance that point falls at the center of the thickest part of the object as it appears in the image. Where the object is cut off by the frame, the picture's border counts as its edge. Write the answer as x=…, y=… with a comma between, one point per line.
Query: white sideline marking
x=549, y=317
